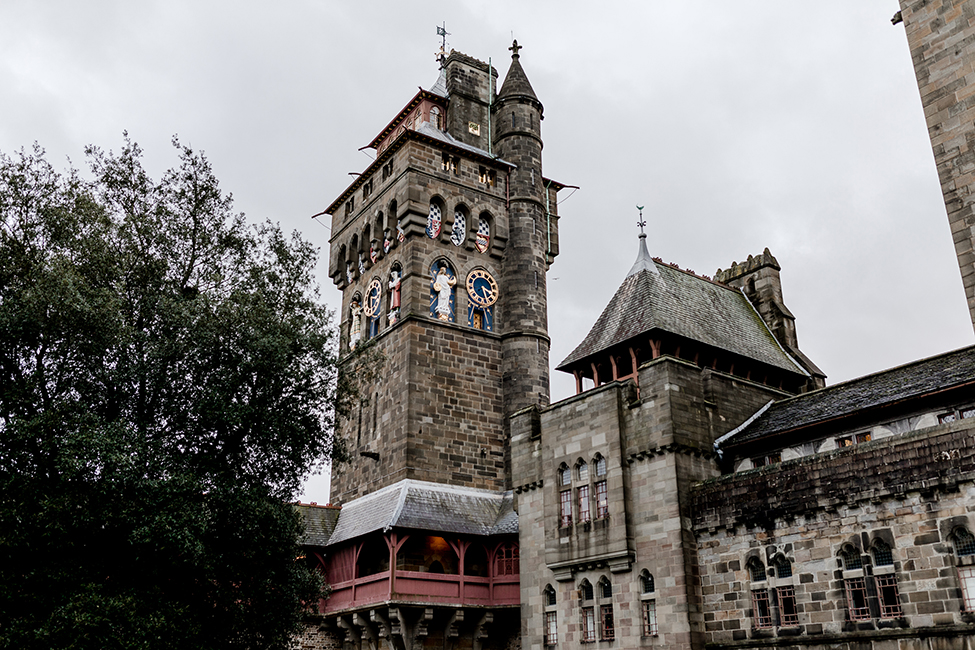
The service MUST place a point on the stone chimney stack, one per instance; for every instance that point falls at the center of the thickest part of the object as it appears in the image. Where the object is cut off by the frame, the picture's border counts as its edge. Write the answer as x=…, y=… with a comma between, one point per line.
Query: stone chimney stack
x=758, y=278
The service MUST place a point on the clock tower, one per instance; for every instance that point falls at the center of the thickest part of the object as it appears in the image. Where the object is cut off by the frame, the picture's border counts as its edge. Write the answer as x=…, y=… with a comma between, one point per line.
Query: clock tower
x=440, y=248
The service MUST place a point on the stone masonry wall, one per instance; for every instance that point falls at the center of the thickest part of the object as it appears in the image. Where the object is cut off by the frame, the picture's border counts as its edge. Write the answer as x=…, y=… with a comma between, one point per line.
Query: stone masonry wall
x=941, y=35
x=658, y=446
x=910, y=491
x=438, y=413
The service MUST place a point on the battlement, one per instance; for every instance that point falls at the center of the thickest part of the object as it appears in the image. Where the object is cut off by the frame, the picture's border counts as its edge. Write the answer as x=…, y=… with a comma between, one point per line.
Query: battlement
x=752, y=264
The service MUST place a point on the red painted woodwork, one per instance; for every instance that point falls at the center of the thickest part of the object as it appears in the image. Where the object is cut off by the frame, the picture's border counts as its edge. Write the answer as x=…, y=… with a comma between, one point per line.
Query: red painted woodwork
x=402, y=586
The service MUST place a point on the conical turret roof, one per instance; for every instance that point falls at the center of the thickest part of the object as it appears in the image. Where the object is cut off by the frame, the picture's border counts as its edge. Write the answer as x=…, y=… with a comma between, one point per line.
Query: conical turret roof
x=516, y=82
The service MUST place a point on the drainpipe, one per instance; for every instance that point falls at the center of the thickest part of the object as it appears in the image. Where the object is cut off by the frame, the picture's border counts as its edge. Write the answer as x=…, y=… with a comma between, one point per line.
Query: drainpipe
x=490, y=97
x=548, y=218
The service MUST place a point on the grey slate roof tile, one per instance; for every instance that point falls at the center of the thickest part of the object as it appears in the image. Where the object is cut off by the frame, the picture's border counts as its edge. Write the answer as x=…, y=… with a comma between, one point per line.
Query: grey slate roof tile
x=421, y=505
x=319, y=523
x=879, y=389
x=662, y=297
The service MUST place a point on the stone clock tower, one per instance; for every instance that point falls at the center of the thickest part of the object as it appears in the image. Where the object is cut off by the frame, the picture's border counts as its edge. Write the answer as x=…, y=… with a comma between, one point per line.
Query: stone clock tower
x=440, y=248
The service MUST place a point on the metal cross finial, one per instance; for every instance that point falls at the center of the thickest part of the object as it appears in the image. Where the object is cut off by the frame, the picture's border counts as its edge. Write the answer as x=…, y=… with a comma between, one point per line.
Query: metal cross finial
x=514, y=48
x=641, y=222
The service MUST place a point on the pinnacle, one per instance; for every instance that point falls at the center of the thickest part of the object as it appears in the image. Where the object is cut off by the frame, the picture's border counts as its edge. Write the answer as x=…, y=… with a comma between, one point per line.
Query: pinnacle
x=516, y=82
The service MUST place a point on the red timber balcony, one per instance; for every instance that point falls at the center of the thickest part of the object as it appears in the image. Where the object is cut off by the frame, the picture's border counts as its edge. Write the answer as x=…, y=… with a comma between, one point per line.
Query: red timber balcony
x=419, y=543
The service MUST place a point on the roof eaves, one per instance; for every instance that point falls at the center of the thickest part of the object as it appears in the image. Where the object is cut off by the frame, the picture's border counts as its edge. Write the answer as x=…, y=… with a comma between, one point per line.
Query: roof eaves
x=410, y=105
x=361, y=178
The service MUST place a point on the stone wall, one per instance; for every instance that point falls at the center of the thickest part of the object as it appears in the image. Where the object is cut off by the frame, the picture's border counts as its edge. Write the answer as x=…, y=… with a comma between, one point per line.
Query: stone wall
x=941, y=34
x=910, y=492
x=656, y=446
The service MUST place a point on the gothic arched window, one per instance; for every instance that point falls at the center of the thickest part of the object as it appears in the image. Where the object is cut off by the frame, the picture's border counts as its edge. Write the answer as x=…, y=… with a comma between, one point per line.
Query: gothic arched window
x=482, y=238
x=458, y=232
x=506, y=561
x=648, y=603
x=434, y=219
x=964, y=544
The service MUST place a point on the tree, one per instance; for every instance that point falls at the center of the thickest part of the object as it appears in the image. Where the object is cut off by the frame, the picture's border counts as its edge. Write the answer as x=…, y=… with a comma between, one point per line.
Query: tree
x=167, y=377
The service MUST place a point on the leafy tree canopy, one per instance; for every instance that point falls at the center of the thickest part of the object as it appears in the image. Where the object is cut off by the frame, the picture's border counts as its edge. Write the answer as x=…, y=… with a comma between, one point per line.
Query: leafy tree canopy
x=167, y=377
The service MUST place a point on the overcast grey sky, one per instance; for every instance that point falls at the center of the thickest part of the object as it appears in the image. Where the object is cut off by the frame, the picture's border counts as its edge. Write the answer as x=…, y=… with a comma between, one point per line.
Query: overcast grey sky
x=738, y=125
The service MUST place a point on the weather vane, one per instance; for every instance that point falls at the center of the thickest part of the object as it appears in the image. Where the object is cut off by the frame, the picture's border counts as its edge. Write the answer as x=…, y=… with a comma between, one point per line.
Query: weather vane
x=442, y=32
x=641, y=222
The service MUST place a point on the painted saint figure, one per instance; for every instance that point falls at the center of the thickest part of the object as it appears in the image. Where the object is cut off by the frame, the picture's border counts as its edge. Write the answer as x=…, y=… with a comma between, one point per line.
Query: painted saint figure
x=355, y=325
x=442, y=285
x=395, y=280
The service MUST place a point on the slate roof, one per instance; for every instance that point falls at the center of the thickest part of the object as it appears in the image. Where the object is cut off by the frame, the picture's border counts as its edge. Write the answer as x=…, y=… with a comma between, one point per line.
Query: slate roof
x=911, y=380
x=421, y=505
x=319, y=523
x=516, y=81
x=657, y=296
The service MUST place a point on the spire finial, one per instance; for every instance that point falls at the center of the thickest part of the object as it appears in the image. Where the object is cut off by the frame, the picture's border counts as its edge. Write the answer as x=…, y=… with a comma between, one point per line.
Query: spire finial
x=514, y=48
x=442, y=54
x=643, y=260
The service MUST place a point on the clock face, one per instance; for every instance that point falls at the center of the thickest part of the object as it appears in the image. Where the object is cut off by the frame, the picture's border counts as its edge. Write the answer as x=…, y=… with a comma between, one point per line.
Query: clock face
x=482, y=288
x=373, y=298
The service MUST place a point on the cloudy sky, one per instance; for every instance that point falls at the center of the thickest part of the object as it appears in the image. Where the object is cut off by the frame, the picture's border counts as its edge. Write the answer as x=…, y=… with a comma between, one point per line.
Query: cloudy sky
x=738, y=125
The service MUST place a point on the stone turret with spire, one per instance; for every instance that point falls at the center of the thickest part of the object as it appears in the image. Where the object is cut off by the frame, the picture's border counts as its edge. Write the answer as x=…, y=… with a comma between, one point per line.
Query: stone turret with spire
x=532, y=242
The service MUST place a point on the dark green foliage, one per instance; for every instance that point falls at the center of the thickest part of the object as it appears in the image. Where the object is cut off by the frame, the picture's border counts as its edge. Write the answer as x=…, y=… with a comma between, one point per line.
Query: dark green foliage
x=166, y=380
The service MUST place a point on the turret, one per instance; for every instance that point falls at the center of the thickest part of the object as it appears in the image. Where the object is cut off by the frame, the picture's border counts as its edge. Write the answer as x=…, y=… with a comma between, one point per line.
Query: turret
x=532, y=241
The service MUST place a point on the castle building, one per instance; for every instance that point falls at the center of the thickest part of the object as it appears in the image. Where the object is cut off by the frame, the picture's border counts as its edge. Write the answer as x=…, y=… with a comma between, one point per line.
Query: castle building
x=704, y=488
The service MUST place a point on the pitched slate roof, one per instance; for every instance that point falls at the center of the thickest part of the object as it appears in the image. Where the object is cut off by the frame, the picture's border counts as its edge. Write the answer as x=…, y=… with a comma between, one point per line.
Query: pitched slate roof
x=427, y=506
x=319, y=523
x=657, y=296
x=911, y=380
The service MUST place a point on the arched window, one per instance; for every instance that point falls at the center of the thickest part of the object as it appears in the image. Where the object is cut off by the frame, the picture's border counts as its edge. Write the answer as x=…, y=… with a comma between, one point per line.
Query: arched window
x=551, y=616
x=434, y=219
x=646, y=582
x=607, y=627
x=482, y=239
x=785, y=594
x=583, y=469
x=601, y=488
x=882, y=555
x=435, y=117
x=756, y=570
x=851, y=558
x=585, y=590
x=761, y=605
x=588, y=612
x=458, y=233
x=783, y=568
x=888, y=596
x=442, y=281
x=964, y=544
x=648, y=604
x=855, y=584
x=565, y=476
x=506, y=561
x=549, y=596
